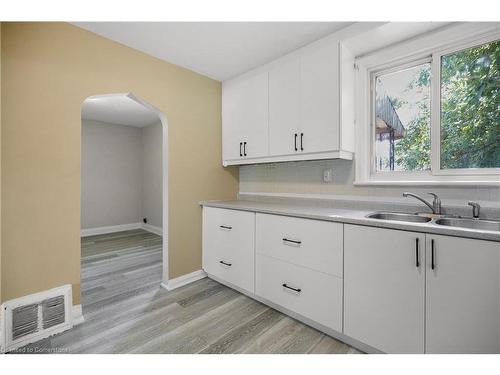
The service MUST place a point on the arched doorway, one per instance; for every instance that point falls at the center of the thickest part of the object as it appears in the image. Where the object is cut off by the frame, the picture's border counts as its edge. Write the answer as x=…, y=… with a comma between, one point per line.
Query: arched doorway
x=145, y=106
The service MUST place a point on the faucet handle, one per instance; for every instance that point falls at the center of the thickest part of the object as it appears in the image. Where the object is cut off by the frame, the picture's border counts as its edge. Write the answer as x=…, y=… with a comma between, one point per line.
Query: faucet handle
x=476, y=208
x=436, y=203
x=437, y=200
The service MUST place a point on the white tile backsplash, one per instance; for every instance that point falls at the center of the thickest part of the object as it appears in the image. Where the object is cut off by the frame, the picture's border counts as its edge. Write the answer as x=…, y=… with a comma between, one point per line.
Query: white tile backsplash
x=306, y=177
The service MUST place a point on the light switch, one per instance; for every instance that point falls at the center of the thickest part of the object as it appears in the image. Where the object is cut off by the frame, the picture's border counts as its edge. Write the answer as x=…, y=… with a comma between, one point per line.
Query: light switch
x=327, y=175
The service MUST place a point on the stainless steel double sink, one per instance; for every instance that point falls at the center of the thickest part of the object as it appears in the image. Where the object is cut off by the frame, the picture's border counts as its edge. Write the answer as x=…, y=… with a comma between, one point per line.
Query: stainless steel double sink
x=477, y=224
x=399, y=216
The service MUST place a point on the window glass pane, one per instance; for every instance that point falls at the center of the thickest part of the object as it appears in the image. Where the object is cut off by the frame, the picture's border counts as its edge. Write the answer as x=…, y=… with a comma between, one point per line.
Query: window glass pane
x=402, y=120
x=470, y=108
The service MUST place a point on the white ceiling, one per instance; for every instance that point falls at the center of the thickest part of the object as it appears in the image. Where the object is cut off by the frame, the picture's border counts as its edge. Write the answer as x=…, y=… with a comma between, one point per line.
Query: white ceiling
x=117, y=109
x=219, y=50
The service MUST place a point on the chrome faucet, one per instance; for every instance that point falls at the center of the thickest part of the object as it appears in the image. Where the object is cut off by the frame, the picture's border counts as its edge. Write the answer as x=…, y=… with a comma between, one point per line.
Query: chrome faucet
x=476, y=208
x=436, y=203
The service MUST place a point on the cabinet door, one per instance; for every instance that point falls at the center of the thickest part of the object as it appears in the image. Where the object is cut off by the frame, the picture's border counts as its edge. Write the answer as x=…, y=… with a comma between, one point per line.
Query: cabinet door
x=384, y=288
x=319, y=109
x=228, y=246
x=244, y=116
x=463, y=296
x=284, y=107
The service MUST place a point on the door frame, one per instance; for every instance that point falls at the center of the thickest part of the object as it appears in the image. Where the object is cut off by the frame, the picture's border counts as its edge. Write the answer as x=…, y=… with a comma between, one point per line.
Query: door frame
x=164, y=122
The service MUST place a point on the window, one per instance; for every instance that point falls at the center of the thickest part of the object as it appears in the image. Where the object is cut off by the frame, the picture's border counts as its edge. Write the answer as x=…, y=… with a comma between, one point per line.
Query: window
x=402, y=119
x=470, y=108
x=434, y=115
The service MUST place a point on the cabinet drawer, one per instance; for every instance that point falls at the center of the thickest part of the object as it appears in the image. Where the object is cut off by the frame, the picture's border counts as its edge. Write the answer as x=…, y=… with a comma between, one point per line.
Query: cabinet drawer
x=310, y=243
x=228, y=246
x=318, y=296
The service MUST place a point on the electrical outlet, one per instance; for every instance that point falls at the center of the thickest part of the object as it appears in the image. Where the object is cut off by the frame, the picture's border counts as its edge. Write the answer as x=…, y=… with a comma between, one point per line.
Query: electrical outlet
x=328, y=175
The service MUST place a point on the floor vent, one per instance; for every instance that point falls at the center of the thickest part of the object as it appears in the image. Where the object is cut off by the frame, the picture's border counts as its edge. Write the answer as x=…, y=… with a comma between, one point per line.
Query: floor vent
x=53, y=312
x=28, y=319
x=24, y=321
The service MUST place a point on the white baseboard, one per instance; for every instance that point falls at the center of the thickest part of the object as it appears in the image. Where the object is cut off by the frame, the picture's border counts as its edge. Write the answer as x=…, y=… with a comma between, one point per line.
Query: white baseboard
x=109, y=229
x=77, y=315
x=120, y=228
x=2, y=330
x=184, y=280
x=152, y=229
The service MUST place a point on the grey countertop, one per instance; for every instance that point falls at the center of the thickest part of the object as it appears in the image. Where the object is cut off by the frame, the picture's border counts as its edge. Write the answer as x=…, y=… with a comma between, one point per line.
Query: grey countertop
x=349, y=216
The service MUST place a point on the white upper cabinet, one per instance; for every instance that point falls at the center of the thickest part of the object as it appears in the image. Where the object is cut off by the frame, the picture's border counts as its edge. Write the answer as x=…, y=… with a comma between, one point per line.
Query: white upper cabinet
x=244, y=117
x=284, y=108
x=299, y=107
x=319, y=107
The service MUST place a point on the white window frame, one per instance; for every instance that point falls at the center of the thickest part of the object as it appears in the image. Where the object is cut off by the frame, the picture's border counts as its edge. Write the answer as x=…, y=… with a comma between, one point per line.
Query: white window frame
x=436, y=115
x=373, y=76
x=429, y=48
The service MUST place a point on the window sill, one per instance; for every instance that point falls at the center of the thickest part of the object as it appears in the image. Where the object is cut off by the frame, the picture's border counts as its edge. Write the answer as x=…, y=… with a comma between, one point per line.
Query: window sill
x=467, y=183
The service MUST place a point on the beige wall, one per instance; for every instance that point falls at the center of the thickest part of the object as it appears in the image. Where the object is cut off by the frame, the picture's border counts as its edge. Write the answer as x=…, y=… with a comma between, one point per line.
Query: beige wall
x=152, y=175
x=307, y=178
x=0, y=163
x=48, y=69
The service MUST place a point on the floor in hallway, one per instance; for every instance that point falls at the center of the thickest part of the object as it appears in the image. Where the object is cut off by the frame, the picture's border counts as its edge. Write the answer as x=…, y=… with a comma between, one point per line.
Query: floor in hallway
x=126, y=311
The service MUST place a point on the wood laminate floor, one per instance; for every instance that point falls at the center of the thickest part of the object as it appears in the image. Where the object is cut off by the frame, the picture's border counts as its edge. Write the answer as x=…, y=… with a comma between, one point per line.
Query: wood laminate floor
x=126, y=311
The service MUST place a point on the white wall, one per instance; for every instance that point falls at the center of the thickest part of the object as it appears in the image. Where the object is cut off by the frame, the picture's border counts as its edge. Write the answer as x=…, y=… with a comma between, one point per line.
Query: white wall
x=307, y=178
x=111, y=174
x=152, y=177
x=121, y=174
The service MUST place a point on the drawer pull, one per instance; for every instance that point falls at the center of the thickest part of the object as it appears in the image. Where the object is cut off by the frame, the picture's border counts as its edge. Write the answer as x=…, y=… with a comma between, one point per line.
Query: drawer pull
x=225, y=263
x=296, y=290
x=226, y=227
x=292, y=241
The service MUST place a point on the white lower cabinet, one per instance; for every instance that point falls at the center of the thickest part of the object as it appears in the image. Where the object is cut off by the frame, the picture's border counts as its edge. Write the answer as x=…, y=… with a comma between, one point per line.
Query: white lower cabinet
x=384, y=288
x=228, y=246
x=314, y=295
x=452, y=299
x=393, y=290
x=462, y=295
x=299, y=266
